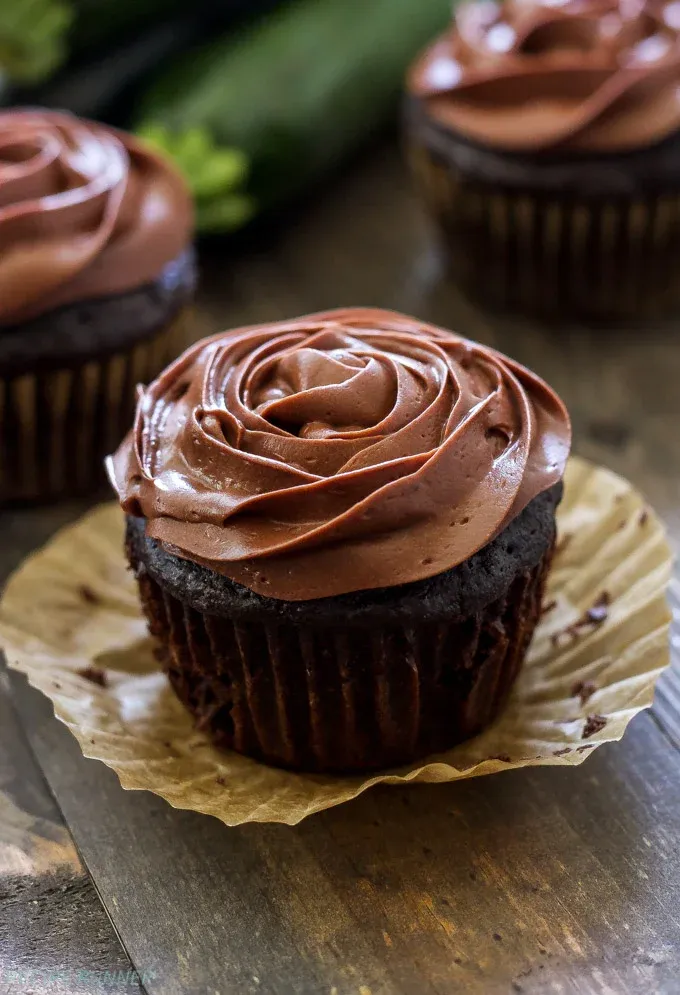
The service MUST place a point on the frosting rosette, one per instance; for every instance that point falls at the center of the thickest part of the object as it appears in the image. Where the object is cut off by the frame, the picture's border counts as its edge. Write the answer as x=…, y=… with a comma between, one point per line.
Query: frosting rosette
x=589, y=75
x=347, y=450
x=85, y=212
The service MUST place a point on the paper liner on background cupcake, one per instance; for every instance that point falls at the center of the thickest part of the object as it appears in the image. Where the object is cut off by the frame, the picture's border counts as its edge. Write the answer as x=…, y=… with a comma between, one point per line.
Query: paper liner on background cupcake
x=57, y=425
x=71, y=622
x=546, y=144
x=96, y=276
x=552, y=253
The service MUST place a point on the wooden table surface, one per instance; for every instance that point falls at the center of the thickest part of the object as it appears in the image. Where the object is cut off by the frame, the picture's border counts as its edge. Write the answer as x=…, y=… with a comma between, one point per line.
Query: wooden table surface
x=539, y=880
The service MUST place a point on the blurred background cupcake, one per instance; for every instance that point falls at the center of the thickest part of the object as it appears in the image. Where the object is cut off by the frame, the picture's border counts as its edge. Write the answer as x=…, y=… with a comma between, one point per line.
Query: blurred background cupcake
x=545, y=139
x=96, y=272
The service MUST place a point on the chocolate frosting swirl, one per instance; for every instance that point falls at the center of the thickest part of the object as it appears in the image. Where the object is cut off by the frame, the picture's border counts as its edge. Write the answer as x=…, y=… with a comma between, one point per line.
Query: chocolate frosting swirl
x=588, y=75
x=85, y=212
x=343, y=451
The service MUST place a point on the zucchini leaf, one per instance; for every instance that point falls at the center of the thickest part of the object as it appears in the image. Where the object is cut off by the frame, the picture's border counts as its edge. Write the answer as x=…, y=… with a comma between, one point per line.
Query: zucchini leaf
x=216, y=175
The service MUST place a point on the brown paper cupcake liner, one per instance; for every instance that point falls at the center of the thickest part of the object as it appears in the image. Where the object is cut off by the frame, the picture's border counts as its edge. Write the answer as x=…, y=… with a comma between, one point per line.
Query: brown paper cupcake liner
x=539, y=253
x=343, y=698
x=56, y=426
x=70, y=621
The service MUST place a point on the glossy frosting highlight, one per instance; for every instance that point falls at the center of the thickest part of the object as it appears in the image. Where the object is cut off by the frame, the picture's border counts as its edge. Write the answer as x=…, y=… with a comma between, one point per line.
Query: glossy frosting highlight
x=85, y=212
x=588, y=75
x=342, y=451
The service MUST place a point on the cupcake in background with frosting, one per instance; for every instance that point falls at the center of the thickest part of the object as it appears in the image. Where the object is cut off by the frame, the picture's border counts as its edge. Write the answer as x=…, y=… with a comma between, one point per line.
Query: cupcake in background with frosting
x=341, y=526
x=96, y=273
x=545, y=138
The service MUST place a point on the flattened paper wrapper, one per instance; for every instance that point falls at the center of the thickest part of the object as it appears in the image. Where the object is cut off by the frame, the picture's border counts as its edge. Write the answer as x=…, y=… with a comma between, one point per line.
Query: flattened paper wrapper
x=71, y=622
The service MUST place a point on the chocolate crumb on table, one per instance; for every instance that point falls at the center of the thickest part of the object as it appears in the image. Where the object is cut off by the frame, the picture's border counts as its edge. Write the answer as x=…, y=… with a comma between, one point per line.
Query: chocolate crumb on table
x=584, y=690
x=593, y=724
x=221, y=779
x=94, y=674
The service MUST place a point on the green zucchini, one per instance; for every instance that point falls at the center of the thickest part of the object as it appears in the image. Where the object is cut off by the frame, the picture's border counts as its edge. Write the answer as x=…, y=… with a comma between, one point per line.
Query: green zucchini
x=288, y=97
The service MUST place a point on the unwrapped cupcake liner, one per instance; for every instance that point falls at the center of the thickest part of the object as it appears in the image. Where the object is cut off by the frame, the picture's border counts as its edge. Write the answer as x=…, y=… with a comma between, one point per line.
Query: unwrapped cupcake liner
x=56, y=426
x=70, y=620
x=343, y=698
x=554, y=255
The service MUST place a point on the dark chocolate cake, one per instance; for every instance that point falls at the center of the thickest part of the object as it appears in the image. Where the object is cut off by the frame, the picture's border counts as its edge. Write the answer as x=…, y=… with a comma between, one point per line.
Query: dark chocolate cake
x=341, y=528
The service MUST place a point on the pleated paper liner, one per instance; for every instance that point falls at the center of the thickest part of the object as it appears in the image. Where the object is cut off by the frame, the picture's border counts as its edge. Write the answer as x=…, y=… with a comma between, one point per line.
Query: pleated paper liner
x=343, y=698
x=56, y=426
x=70, y=620
x=554, y=256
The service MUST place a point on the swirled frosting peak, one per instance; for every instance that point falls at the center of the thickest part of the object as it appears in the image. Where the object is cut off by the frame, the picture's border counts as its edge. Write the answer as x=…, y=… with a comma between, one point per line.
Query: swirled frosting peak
x=85, y=211
x=342, y=451
x=590, y=75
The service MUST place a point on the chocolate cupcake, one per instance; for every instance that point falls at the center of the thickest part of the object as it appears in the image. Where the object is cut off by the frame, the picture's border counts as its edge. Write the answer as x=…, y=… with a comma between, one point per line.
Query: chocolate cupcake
x=341, y=527
x=96, y=272
x=546, y=141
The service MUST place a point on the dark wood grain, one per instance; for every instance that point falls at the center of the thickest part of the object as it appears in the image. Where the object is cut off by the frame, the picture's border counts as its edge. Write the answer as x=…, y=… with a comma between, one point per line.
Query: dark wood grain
x=543, y=880
x=55, y=937
x=552, y=877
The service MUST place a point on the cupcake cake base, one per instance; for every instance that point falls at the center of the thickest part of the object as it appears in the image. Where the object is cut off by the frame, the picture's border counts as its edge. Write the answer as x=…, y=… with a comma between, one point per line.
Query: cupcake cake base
x=362, y=681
